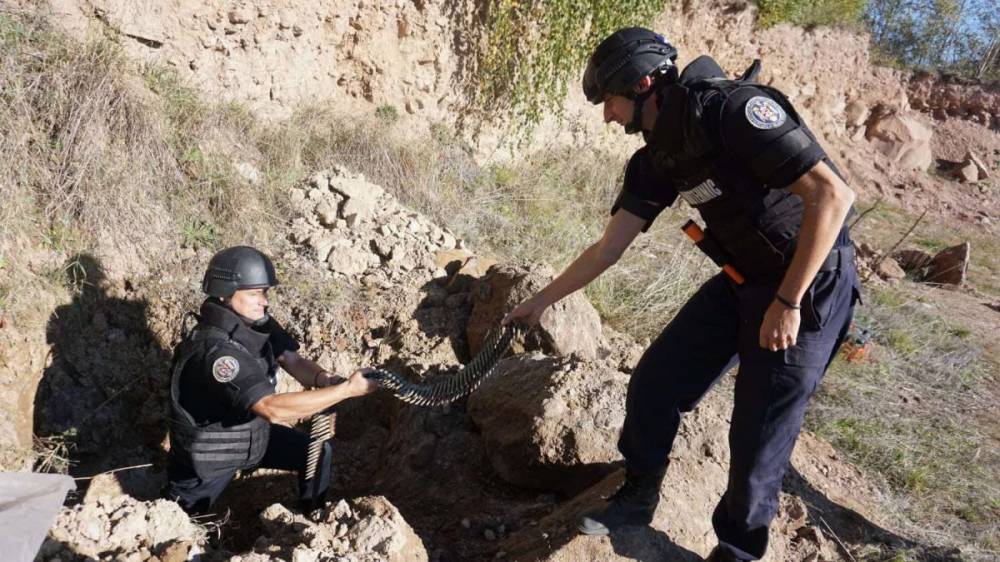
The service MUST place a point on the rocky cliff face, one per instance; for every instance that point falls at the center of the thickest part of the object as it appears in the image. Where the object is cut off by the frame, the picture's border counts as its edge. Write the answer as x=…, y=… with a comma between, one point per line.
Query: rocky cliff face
x=356, y=55
x=274, y=55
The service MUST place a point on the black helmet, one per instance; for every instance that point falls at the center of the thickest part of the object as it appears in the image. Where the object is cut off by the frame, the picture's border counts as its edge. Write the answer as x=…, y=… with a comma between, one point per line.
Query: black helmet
x=624, y=58
x=239, y=267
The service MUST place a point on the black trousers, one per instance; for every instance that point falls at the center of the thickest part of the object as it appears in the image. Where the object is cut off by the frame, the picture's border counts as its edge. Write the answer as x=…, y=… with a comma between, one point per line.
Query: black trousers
x=717, y=328
x=287, y=449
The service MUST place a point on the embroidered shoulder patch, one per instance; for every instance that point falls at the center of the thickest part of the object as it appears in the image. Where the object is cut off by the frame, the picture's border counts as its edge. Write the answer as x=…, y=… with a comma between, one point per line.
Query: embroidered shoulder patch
x=225, y=368
x=764, y=113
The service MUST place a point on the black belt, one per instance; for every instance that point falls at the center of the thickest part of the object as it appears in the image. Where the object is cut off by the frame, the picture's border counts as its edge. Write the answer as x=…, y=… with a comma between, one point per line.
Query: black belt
x=838, y=257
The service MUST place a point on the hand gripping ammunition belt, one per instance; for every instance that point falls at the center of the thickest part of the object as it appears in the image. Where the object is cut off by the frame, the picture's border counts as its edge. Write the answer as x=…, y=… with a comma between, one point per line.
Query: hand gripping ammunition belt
x=438, y=393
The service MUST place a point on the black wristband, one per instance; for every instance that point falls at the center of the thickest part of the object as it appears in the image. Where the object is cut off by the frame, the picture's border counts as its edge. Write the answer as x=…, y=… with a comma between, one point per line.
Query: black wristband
x=787, y=303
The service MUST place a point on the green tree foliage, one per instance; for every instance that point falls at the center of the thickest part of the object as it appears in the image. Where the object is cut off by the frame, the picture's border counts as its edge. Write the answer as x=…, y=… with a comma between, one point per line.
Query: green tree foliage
x=530, y=51
x=809, y=13
x=959, y=36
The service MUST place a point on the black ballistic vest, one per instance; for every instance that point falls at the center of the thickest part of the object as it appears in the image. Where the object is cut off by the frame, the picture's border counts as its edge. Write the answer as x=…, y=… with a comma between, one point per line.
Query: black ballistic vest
x=217, y=448
x=755, y=227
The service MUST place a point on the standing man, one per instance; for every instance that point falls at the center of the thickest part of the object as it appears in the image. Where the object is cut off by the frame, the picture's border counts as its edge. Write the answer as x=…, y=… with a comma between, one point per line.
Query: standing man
x=775, y=208
x=223, y=403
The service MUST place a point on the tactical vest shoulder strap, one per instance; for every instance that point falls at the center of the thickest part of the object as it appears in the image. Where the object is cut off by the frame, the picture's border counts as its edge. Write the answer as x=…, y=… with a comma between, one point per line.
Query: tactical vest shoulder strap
x=750, y=74
x=204, y=338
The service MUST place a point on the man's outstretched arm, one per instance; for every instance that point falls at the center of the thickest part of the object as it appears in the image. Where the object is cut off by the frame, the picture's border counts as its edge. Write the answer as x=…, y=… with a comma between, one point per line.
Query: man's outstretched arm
x=618, y=235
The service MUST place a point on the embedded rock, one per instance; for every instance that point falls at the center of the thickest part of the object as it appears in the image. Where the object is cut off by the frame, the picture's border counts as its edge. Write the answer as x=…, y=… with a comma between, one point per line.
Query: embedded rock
x=913, y=261
x=551, y=423
x=856, y=113
x=890, y=270
x=949, y=266
x=571, y=326
x=903, y=139
x=347, y=260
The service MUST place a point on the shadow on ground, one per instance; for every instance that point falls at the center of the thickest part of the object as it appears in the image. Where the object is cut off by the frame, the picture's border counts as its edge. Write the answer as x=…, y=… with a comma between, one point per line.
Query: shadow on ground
x=103, y=396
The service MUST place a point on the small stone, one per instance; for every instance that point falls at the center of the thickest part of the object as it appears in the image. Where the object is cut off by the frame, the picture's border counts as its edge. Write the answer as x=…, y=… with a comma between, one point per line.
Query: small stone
x=240, y=16
x=967, y=173
x=889, y=270
x=347, y=260
x=342, y=510
x=320, y=180
x=322, y=243
x=466, y=523
x=447, y=241
x=856, y=113
x=303, y=553
x=383, y=247
x=490, y=535
x=983, y=171
x=326, y=212
x=249, y=172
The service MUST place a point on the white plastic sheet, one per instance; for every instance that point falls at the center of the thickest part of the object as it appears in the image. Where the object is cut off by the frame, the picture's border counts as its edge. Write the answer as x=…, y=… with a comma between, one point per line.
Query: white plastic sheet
x=29, y=503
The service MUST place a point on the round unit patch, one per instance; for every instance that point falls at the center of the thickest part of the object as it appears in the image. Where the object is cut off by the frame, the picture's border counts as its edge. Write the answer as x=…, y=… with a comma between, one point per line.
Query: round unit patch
x=765, y=113
x=225, y=368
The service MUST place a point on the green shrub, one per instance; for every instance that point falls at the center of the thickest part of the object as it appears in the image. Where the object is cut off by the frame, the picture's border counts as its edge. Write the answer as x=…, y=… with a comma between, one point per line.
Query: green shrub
x=199, y=234
x=387, y=113
x=809, y=13
x=530, y=52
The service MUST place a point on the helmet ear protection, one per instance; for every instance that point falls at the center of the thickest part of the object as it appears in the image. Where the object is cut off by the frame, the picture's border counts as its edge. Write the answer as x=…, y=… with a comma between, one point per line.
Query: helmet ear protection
x=623, y=59
x=239, y=267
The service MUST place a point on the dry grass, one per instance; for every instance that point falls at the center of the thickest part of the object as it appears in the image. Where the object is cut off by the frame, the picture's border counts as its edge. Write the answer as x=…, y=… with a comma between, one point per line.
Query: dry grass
x=98, y=155
x=920, y=415
x=81, y=158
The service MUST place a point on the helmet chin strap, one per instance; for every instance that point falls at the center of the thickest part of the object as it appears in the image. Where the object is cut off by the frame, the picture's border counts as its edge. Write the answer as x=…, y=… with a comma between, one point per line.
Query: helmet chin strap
x=635, y=125
x=662, y=78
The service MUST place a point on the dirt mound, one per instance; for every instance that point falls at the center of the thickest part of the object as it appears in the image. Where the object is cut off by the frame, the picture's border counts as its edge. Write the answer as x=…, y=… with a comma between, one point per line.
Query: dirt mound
x=124, y=529
x=367, y=529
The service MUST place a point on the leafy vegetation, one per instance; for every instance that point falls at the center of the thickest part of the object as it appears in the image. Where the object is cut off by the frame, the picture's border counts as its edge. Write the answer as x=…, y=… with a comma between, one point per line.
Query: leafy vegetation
x=808, y=13
x=529, y=52
x=959, y=36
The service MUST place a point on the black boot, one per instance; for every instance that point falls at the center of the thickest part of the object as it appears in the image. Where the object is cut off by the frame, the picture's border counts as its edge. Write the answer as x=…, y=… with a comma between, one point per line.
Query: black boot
x=633, y=504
